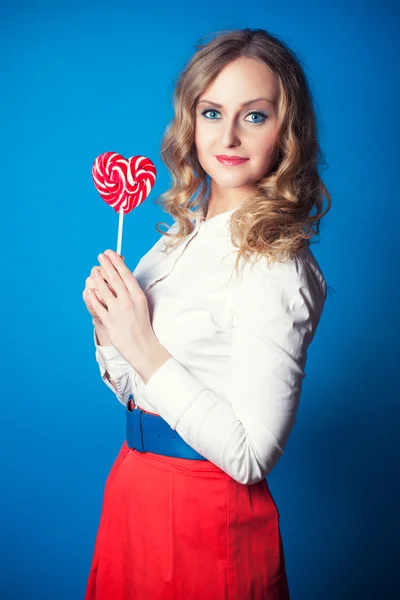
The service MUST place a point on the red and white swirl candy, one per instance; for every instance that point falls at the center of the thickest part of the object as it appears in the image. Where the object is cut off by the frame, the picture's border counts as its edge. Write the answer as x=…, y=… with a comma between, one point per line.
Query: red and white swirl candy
x=123, y=183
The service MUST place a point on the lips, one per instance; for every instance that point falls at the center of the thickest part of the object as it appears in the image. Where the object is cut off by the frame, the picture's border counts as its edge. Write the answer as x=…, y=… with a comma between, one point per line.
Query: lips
x=230, y=161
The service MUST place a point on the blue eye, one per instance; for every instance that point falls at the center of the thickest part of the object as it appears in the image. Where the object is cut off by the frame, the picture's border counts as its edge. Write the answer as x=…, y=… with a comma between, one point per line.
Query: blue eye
x=260, y=114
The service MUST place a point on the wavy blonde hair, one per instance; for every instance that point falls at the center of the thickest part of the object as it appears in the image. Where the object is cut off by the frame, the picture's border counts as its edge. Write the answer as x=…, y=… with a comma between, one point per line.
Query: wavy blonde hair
x=275, y=221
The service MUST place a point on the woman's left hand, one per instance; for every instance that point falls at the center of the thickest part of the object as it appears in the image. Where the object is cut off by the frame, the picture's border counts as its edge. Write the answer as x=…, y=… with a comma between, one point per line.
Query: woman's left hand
x=126, y=318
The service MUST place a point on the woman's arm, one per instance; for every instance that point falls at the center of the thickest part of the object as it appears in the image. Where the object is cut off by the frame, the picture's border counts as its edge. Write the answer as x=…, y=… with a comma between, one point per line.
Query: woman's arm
x=114, y=369
x=274, y=315
x=102, y=338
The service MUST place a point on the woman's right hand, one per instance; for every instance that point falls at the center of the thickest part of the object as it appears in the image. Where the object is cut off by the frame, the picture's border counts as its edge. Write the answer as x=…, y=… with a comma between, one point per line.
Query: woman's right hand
x=91, y=285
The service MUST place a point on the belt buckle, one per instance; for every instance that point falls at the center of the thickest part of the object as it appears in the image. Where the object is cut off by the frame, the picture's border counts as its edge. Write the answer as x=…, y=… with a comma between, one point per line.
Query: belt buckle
x=137, y=416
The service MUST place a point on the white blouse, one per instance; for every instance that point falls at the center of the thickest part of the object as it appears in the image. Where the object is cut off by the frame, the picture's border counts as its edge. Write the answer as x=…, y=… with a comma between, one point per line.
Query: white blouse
x=238, y=348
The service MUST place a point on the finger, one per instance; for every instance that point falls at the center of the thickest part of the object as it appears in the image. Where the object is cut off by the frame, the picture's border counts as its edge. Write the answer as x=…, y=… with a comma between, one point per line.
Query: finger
x=125, y=274
x=99, y=298
x=98, y=306
x=97, y=268
x=103, y=288
x=112, y=274
x=88, y=298
x=90, y=283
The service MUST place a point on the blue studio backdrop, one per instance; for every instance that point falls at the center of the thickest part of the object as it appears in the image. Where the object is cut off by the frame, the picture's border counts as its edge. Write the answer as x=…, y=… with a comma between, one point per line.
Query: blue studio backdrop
x=82, y=78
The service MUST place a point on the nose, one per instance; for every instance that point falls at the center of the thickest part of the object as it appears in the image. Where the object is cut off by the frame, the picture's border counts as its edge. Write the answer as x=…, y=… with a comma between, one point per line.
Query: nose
x=229, y=134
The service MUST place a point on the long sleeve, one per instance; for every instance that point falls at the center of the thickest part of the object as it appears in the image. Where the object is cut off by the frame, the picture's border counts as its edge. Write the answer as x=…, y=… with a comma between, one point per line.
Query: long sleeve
x=275, y=311
x=112, y=364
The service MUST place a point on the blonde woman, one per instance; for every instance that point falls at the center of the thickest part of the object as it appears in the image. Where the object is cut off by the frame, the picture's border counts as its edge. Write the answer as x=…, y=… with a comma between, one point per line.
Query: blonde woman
x=205, y=343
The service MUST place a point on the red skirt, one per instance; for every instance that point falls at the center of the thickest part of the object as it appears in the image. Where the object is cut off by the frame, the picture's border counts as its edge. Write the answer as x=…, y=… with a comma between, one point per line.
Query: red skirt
x=179, y=529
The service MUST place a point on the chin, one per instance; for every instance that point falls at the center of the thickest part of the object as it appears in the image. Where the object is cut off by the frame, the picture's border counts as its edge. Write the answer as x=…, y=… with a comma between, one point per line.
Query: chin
x=231, y=181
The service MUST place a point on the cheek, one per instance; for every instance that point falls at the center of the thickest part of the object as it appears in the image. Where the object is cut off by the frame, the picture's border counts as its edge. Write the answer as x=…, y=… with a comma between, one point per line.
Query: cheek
x=198, y=140
x=266, y=148
x=203, y=137
x=264, y=163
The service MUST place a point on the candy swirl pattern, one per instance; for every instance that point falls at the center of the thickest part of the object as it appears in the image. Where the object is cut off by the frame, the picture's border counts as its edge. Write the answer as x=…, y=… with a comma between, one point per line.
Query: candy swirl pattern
x=123, y=183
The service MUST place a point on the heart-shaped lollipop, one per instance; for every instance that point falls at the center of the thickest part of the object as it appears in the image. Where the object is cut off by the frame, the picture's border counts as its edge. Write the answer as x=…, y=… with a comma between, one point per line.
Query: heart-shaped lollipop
x=123, y=183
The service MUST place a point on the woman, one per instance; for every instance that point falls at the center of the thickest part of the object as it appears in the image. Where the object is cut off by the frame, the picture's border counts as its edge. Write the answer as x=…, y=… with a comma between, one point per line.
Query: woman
x=207, y=351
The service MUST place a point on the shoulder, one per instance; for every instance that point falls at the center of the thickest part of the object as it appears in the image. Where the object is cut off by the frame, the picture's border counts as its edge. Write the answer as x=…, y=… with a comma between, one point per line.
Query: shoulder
x=296, y=285
x=302, y=269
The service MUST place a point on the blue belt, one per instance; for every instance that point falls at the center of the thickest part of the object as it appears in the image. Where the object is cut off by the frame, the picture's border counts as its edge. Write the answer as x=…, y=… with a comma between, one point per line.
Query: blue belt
x=150, y=433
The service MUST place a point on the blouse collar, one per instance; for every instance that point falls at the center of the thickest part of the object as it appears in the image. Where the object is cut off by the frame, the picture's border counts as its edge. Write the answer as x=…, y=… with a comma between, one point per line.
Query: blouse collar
x=217, y=225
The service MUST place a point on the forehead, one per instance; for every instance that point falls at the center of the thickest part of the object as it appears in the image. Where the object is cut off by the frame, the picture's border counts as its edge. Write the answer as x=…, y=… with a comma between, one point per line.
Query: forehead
x=240, y=81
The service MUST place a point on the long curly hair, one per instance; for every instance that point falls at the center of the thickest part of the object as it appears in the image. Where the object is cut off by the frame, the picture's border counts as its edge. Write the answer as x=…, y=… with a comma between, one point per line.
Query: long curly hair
x=275, y=221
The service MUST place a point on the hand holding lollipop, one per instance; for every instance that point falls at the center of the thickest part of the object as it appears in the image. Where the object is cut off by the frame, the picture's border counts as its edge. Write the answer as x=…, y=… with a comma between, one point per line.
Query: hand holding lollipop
x=123, y=309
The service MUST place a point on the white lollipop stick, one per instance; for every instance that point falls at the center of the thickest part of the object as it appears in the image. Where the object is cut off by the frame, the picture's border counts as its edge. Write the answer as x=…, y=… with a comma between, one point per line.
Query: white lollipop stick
x=120, y=227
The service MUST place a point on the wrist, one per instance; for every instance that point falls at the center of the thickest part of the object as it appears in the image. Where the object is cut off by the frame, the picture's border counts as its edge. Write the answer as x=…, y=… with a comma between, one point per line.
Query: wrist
x=97, y=321
x=157, y=356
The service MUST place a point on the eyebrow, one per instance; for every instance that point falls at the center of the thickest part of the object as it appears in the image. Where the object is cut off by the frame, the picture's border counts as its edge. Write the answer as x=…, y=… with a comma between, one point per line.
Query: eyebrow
x=244, y=103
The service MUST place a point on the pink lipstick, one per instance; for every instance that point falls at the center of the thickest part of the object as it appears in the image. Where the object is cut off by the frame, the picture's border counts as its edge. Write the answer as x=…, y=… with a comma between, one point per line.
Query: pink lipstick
x=231, y=161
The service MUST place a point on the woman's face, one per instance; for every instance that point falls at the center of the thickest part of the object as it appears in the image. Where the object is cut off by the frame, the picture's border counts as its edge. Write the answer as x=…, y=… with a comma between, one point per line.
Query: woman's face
x=233, y=129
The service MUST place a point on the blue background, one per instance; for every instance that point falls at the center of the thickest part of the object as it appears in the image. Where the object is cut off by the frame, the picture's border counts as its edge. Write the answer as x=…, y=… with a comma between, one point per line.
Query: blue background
x=82, y=78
